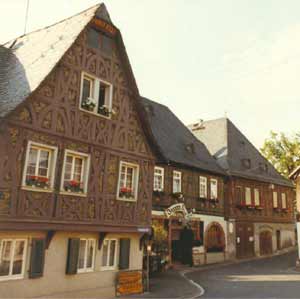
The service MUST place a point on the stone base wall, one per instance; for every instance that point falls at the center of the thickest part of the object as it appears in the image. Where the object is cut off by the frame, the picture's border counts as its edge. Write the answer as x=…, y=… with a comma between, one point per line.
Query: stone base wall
x=54, y=281
x=287, y=235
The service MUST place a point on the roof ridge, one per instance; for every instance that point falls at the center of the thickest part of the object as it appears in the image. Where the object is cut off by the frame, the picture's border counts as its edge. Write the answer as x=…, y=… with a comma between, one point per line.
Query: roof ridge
x=54, y=24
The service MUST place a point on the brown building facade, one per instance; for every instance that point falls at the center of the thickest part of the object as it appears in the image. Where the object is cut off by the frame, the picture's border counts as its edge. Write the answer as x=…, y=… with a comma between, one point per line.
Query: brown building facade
x=189, y=189
x=76, y=170
x=259, y=201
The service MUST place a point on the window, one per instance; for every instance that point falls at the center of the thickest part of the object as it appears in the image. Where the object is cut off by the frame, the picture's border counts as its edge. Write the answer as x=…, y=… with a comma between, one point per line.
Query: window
x=99, y=40
x=39, y=166
x=12, y=258
x=75, y=172
x=256, y=197
x=283, y=201
x=248, y=196
x=203, y=187
x=128, y=181
x=176, y=181
x=158, y=179
x=96, y=95
x=275, y=199
x=109, y=254
x=86, y=255
x=213, y=188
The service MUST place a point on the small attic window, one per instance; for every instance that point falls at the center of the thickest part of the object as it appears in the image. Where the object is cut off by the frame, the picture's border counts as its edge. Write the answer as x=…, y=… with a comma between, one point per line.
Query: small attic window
x=263, y=167
x=190, y=148
x=246, y=163
x=93, y=38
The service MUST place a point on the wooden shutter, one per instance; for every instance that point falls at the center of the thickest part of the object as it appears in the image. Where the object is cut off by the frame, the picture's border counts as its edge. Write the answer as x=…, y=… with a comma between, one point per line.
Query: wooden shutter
x=37, y=258
x=201, y=229
x=124, y=254
x=73, y=254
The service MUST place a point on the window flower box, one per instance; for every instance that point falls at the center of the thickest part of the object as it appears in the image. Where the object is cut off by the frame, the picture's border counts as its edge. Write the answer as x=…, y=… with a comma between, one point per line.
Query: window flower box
x=277, y=210
x=73, y=186
x=258, y=208
x=126, y=193
x=250, y=207
x=104, y=110
x=88, y=104
x=37, y=181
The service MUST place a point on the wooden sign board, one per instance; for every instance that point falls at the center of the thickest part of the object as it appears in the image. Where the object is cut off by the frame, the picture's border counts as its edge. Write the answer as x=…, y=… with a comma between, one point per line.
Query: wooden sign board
x=102, y=25
x=129, y=282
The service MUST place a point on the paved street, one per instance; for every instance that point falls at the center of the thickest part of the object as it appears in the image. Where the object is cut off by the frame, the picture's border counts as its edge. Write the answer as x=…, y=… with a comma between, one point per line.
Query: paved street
x=265, y=278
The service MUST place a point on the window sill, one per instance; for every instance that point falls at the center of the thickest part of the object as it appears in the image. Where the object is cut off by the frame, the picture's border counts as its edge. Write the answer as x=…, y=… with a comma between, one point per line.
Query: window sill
x=108, y=268
x=73, y=194
x=27, y=188
x=127, y=199
x=7, y=278
x=94, y=113
x=84, y=271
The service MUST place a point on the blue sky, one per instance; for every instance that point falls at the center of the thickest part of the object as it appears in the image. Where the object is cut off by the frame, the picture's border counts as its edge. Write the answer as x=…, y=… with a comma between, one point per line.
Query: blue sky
x=203, y=58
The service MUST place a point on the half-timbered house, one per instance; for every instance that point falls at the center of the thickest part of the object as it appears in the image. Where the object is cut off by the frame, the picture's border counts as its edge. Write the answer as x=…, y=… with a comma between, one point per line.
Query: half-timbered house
x=187, y=180
x=76, y=170
x=259, y=203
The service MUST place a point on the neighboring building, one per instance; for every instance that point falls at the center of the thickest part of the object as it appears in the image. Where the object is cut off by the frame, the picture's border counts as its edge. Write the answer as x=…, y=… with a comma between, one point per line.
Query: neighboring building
x=187, y=179
x=76, y=170
x=259, y=203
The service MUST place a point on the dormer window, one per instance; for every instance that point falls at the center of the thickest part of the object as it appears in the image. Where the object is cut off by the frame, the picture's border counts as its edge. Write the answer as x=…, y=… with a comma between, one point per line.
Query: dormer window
x=96, y=95
x=246, y=163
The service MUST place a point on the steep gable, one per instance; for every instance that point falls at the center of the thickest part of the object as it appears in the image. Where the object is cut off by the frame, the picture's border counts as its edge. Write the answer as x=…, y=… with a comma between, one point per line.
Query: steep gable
x=175, y=142
x=235, y=153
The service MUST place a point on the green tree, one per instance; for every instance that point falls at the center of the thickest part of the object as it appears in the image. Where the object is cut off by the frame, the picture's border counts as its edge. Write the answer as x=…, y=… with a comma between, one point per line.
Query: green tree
x=282, y=151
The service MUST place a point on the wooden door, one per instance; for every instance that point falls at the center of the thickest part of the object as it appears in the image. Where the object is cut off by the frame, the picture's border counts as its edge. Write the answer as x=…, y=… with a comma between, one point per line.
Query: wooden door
x=278, y=239
x=244, y=240
x=265, y=243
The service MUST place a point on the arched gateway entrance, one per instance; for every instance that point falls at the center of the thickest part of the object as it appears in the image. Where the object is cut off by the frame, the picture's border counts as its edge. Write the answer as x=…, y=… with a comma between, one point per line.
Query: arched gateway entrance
x=182, y=229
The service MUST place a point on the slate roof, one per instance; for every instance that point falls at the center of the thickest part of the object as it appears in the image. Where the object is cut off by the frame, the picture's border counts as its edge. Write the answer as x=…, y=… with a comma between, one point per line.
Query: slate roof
x=175, y=142
x=26, y=61
x=231, y=149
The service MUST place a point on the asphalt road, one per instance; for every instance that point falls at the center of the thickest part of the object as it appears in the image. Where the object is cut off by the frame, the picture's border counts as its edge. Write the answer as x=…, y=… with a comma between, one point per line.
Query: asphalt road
x=274, y=277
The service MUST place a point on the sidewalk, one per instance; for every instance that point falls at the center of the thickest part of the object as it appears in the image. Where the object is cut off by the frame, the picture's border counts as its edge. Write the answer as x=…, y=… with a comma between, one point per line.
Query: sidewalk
x=170, y=284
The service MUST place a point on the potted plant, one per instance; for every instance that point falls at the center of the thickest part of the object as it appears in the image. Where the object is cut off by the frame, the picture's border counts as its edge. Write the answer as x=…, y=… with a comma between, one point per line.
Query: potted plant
x=126, y=192
x=104, y=110
x=73, y=186
x=258, y=208
x=37, y=181
x=88, y=104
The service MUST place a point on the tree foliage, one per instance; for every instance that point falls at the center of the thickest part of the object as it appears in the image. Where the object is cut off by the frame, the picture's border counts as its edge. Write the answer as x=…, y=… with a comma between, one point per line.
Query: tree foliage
x=282, y=151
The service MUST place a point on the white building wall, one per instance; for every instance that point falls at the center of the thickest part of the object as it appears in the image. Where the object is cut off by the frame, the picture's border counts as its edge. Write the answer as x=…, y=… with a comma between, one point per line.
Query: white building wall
x=54, y=281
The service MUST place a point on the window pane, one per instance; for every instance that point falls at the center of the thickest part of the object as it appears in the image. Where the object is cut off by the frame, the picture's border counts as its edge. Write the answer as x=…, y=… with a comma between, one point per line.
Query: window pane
x=112, y=253
x=213, y=189
x=86, y=91
x=248, y=196
x=18, y=257
x=43, y=163
x=78, y=169
x=32, y=161
x=102, y=92
x=106, y=44
x=81, y=254
x=129, y=178
x=68, y=168
x=6, y=247
x=104, y=253
x=256, y=197
x=90, y=253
